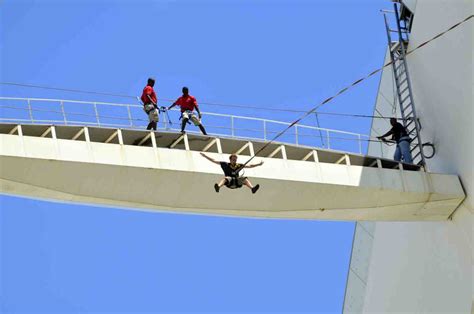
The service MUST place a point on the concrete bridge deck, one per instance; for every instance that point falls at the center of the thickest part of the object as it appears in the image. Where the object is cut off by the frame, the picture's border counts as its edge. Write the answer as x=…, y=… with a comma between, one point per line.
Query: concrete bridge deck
x=164, y=171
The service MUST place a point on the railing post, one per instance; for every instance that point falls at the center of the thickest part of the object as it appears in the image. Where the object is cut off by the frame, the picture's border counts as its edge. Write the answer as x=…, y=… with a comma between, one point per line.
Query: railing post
x=166, y=116
x=96, y=114
x=327, y=138
x=296, y=134
x=63, y=112
x=264, y=130
x=232, y=125
x=30, y=111
x=360, y=144
x=129, y=116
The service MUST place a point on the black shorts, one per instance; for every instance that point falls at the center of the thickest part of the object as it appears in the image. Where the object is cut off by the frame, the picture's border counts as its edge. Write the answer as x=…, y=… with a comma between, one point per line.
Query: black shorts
x=234, y=182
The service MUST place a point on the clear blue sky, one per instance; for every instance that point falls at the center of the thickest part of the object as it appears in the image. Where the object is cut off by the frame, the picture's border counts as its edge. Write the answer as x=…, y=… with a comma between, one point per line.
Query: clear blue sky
x=59, y=257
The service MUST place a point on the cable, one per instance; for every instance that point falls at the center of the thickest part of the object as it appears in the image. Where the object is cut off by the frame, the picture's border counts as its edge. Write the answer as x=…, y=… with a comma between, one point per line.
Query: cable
x=327, y=100
x=255, y=107
x=67, y=90
x=350, y=86
x=163, y=123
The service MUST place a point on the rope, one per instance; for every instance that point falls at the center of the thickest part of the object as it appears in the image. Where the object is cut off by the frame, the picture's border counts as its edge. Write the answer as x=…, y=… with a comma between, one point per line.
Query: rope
x=204, y=103
x=352, y=85
x=255, y=107
x=306, y=114
x=145, y=120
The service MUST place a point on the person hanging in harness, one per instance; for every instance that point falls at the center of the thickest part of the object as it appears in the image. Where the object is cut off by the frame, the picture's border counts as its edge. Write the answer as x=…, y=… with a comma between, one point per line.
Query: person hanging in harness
x=150, y=104
x=400, y=136
x=232, y=178
x=188, y=103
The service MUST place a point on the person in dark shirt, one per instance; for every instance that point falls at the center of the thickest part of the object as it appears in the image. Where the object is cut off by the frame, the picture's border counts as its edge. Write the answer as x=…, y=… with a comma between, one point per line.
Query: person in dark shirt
x=400, y=136
x=188, y=103
x=150, y=104
x=232, y=178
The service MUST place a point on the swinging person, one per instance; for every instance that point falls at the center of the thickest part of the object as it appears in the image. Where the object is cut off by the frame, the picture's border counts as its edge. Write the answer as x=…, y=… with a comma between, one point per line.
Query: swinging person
x=231, y=169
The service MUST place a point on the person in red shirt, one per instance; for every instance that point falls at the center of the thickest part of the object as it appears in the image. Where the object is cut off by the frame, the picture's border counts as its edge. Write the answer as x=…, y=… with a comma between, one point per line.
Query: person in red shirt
x=150, y=104
x=188, y=103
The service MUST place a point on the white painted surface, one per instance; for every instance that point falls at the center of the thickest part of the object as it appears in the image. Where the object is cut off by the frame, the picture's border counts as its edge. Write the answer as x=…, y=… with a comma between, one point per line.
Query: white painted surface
x=359, y=267
x=420, y=267
x=428, y=267
x=181, y=180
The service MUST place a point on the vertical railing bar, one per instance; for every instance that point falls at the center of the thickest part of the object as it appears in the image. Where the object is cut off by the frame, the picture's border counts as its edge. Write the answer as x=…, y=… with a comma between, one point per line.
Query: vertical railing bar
x=327, y=139
x=296, y=134
x=129, y=115
x=232, y=126
x=360, y=144
x=63, y=112
x=30, y=112
x=264, y=130
x=96, y=114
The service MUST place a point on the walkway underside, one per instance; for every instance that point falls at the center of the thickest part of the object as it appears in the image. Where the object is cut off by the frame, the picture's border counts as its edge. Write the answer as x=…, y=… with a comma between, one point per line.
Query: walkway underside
x=181, y=180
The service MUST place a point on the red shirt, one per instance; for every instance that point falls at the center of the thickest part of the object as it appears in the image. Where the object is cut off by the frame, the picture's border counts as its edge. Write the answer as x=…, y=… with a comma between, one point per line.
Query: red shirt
x=187, y=103
x=148, y=90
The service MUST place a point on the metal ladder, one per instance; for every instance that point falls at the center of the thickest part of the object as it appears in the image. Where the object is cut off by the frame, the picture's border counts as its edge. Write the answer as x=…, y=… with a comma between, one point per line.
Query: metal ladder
x=403, y=85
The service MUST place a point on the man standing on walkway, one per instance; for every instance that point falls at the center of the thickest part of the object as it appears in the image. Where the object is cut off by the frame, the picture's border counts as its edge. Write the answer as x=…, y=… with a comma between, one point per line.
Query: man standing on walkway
x=150, y=104
x=188, y=103
x=400, y=136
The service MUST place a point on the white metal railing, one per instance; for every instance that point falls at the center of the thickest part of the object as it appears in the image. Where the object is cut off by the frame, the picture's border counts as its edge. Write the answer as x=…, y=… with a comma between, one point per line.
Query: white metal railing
x=131, y=116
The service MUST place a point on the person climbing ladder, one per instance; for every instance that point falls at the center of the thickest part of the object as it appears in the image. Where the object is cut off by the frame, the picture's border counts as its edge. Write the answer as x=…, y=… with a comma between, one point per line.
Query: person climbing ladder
x=232, y=178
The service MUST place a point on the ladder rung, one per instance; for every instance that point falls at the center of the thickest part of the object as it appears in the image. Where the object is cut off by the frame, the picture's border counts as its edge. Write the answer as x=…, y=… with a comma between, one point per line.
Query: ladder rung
x=394, y=46
x=403, y=81
x=408, y=114
x=414, y=147
x=400, y=73
x=407, y=107
x=403, y=100
x=397, y=59
x=399, y=66
x=404, y=90
x=411, y=121
x=418, y=154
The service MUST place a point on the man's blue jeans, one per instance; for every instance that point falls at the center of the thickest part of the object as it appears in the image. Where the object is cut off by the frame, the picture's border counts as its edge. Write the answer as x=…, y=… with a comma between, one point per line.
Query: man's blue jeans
x=402, y=152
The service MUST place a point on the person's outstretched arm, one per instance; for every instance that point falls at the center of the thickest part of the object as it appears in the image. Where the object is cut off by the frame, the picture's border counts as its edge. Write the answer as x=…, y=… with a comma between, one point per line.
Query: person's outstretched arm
x=210, y=159
x=254, y=165
x=174, y=104
x=385, y=135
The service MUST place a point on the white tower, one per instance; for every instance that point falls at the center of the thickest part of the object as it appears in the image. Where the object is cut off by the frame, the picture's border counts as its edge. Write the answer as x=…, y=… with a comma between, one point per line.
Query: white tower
x=425, y=267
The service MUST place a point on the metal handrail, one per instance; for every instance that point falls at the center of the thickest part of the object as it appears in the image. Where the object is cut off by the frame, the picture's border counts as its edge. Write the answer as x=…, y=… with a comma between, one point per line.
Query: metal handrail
x=129, y=121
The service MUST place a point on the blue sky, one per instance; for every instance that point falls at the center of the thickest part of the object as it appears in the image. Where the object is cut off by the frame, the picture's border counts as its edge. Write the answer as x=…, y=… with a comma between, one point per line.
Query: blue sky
x=278, y=54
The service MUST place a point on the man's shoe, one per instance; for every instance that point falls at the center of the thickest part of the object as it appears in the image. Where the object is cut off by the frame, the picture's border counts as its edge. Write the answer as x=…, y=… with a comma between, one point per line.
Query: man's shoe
x=216, y=187
x=255, y=188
